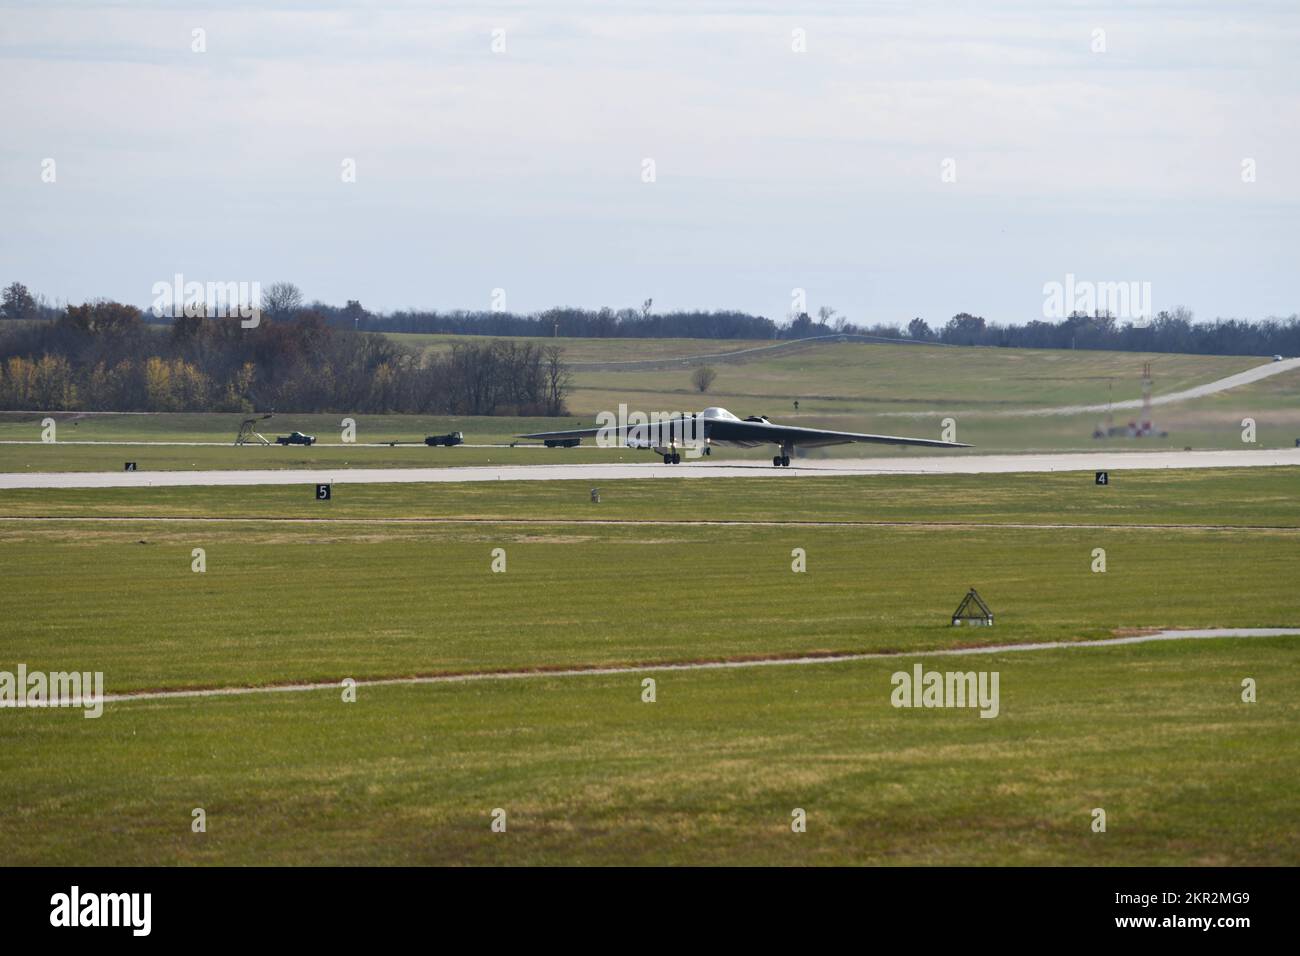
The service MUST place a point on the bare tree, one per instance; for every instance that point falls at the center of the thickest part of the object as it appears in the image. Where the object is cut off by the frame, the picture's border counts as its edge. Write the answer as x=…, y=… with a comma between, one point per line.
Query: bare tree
x=558, y=380
x=281, y=300
x=703, y=377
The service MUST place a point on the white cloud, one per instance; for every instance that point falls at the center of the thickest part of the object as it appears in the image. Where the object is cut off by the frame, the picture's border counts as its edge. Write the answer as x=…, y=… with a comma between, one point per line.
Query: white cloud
x=770, y=162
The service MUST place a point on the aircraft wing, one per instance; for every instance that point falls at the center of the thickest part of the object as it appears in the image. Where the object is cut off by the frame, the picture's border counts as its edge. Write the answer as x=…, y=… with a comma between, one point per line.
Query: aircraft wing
x=664, y=430
x=754, y=433
x=750, y=432
x=575, y=433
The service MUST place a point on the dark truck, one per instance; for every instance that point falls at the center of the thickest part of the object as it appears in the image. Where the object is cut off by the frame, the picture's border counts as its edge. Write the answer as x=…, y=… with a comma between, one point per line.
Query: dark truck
x=296, y=438
x=455, y=438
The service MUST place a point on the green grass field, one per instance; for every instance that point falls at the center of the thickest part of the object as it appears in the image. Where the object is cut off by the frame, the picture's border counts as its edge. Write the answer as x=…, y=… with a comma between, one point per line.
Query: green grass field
x=579, y=351
x=847, y=378
x=1209, y=428
x=881, y=389
x=708, y=774
x=1258, y=497
x=222, y=427
x=839, y=377
x=395, y=580
x=394, y=600
x=1155, y=734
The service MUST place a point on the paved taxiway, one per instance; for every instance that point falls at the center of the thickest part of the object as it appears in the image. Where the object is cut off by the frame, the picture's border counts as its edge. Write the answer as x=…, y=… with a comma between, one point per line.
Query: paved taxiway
x=928, y=465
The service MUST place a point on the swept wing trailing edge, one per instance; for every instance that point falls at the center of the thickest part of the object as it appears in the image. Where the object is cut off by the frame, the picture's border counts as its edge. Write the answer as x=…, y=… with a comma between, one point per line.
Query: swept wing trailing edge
x=719, y=426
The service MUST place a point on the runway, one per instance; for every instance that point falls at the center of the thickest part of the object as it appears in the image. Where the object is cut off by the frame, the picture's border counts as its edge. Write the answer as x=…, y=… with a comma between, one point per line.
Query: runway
x=596, y=473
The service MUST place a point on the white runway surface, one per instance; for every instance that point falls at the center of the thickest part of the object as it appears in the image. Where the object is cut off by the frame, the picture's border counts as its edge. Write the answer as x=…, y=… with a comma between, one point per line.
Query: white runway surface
x=929, y=465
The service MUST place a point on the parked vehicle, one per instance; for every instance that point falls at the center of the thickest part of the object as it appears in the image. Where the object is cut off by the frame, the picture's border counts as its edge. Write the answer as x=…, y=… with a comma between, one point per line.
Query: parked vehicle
x=296, y=438
x=455, y=438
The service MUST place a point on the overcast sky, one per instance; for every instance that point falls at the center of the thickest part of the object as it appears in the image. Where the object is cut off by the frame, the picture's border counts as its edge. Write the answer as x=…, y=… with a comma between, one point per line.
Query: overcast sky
x=774, y=169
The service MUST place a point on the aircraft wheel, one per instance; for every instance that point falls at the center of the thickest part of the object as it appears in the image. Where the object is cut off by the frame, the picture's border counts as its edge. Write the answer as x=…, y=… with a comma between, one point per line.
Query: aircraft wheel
x=785, y=462
x=677, y=459
x=668, y=459
x=776, y=460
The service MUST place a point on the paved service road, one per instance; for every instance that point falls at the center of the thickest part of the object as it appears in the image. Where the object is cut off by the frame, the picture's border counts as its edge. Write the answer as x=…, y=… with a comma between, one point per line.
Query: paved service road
x=929, y=465
x=789, y=661
x=1251, y=375
x=1256, y=374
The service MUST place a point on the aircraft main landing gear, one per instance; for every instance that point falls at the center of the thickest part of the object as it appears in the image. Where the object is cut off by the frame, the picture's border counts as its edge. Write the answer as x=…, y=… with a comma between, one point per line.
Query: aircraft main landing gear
x=673, y=459
x=781, y=461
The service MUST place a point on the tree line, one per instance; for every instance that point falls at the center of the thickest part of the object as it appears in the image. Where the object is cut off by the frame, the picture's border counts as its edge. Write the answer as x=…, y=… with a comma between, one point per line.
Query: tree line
x=104, y=356
x=1171, y=331
x=317, y=357
x=1167, y=331
x=571, y=322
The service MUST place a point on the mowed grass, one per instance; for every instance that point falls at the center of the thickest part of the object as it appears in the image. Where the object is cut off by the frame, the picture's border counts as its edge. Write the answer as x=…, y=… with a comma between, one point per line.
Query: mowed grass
x=222, y=427
x=70, y=453
x=825, y=375
x=581, y=351
x=1156, y=735
x=285, y=601
x=878, y=389
x=853, y=377
x=38, y=458
x=1261, y=497
x=1201, y=428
